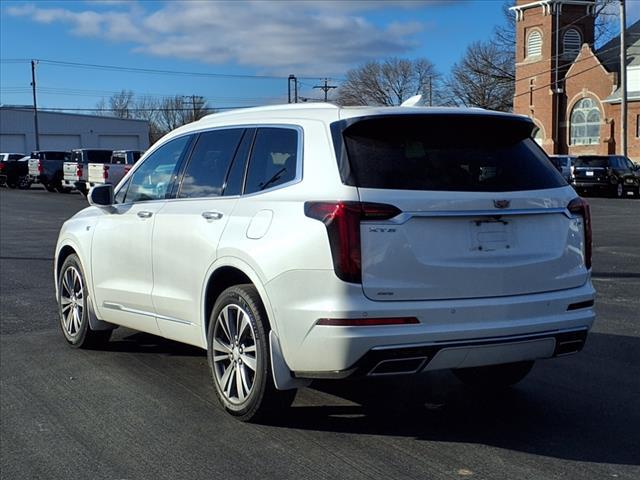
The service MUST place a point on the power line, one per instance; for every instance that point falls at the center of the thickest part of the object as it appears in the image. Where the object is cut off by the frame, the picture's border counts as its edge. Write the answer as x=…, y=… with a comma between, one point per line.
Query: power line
x=153, y=71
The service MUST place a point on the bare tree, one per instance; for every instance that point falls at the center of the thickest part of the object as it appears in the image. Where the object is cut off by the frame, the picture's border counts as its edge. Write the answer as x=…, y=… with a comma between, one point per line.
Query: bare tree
x=121, y=104
x=389, y=82
x=485, y=77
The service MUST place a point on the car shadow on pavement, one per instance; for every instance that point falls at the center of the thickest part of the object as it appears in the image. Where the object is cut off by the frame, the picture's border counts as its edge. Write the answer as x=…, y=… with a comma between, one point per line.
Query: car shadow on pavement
x=568, y=408
x=125, y=340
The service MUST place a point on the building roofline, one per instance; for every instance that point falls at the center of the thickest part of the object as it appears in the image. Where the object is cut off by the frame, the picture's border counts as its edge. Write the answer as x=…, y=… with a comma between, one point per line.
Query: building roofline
x=24, y=108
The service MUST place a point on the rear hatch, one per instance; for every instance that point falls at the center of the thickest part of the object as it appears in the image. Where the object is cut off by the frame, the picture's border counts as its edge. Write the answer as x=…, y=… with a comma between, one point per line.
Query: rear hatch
x=483, y=211
x=591, y=169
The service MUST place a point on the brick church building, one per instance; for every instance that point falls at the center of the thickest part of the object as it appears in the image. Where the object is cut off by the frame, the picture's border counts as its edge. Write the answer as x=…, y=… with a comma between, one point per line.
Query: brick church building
x=570, y=89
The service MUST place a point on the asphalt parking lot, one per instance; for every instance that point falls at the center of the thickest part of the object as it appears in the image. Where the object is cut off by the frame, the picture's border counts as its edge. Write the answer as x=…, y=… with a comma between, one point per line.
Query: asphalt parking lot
x=145, y=407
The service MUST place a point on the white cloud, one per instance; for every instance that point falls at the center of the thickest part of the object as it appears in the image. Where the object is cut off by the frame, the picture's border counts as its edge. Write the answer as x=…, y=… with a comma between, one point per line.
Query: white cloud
x=305, y=37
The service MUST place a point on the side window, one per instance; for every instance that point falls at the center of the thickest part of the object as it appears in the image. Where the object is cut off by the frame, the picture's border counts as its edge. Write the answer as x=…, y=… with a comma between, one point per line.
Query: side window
x=236, y=173
x=273, y=159
x=209, y=163
x=119, y=198
x=151, y=181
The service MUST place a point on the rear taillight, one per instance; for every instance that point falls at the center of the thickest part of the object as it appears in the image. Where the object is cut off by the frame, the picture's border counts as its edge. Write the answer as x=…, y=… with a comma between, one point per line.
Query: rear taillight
x=105, y=172
x=127, y=168
x=40, y=169
x=579, y=206
x=79, y=171
x=342, y=220
x=1, y=166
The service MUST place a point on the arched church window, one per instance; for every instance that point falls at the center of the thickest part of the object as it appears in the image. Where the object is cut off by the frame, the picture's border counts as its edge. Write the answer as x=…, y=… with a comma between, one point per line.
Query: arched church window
x=585, y=123
x=571, y=42
x=534, y=44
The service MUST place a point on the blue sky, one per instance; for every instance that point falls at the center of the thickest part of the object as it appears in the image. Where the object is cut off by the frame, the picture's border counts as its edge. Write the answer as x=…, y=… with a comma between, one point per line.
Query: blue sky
x=311, y=39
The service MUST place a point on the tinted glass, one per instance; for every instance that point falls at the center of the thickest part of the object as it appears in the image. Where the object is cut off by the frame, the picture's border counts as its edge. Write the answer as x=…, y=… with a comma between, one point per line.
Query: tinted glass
x=54, y=156
x=591, y=162
x=97, y=156
x=151, y=181
x=273, y=159
x=76, y=157
x=236, y=174
x=119, y=158
x=207, y=169
x=444, y=152
x=136, y=156
x=119, y=198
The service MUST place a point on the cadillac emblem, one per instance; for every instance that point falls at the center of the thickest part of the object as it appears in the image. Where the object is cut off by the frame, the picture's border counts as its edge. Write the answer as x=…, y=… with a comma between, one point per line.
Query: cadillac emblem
x=501, y=203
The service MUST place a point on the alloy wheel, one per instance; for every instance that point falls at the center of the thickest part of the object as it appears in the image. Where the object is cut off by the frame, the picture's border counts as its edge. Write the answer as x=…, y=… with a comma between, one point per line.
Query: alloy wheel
x=71, y=301
x=235, y=353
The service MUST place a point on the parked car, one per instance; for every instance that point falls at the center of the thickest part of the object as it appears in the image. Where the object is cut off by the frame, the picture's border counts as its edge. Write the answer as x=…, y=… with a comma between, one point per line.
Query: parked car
x=112, y=171
x=312, y=241
x=46, y=167
x=564, y=164
x=613, y=175
x=76, y=170
x=11, y=171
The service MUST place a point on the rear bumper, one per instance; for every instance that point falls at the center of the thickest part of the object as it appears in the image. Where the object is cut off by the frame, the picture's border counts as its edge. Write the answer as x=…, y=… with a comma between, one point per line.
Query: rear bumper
x=451, y=333
x=407, y=359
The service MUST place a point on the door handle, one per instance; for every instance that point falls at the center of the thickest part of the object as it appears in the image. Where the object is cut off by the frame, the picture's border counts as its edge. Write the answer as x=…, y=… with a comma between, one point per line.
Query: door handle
x=212, y=215
x=144, y=214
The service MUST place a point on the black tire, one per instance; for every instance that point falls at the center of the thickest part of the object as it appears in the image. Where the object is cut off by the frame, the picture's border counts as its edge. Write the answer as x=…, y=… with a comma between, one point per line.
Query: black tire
x=263, y=399
x=77, y=331
x=617, y=191
x=24, y=183
x=50, y=188
x=61, y=189
x=494, y=376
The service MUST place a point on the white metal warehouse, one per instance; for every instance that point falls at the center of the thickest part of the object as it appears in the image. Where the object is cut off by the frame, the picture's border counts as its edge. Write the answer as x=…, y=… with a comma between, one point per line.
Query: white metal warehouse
x=64, y=131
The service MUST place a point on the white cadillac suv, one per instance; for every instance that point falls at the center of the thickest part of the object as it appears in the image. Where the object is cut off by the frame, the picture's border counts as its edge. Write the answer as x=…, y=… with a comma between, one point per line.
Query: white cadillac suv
x=310, y=241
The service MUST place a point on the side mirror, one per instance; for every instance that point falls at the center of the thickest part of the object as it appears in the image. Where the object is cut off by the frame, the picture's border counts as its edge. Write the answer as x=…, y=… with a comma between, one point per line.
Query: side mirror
x=101, y=195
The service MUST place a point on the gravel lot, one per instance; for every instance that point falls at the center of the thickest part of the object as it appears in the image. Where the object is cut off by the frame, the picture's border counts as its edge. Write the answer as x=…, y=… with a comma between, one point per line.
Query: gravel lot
x=145, y=408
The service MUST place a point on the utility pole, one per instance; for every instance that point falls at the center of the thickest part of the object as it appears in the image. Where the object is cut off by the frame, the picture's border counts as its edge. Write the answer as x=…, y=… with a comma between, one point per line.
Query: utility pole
x=623, y=77
x=292, y=78
x=35, y=104
x=325, y=88
x=430, y=91
x=195, y=100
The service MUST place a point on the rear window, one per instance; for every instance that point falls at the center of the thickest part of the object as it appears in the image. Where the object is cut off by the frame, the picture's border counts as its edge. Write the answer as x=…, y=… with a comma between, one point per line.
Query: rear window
x=592, y=162
x=98, y=156
x=442, y=152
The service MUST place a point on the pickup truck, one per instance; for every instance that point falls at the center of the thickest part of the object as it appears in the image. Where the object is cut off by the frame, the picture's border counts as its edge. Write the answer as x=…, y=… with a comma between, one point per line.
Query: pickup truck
x=14, y=170
x=46, y=168
x=75, y=172
x=112, y=172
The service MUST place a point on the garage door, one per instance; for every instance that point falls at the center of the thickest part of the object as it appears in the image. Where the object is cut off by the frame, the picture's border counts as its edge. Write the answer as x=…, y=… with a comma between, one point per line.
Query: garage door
x=59, y=142
x=13, y=142
x=119, y=142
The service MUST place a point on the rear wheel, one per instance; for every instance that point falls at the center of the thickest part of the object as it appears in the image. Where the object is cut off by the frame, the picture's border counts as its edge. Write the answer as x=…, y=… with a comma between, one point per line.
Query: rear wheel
x=494, y=376
x=73, y=307
x=238, y=339
x=50, y=188
x=24, y=183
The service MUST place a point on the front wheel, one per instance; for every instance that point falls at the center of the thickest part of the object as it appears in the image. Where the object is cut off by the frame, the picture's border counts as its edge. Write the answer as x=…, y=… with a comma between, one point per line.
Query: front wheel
x=238, y=339
x=24, y=183
x=494, y=376
x=73, y=307
x=617, y=191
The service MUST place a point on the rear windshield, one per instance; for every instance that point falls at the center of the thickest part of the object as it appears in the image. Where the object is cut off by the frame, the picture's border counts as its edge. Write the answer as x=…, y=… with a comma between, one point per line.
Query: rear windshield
x=591, y=162
x=442, y=152
x=97, y=156
x=51, y=155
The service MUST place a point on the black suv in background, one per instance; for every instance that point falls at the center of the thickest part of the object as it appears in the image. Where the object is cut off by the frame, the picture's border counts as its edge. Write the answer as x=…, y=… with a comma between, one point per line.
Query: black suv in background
x=613, y=175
